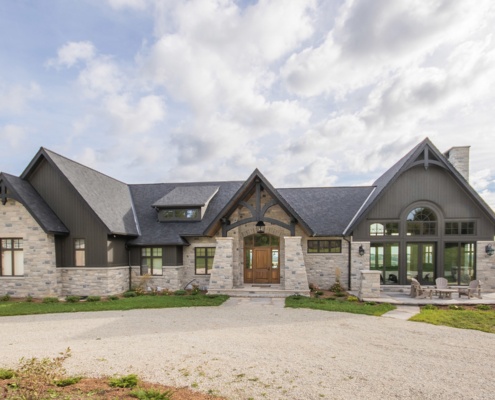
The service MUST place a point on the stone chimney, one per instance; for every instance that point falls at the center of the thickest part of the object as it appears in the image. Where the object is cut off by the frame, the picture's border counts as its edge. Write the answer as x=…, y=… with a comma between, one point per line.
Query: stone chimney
x=459, y=158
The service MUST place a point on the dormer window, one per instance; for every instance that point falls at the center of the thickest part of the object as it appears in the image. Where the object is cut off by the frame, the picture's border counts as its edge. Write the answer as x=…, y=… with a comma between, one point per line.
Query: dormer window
x=184, y=203
x=179, y=214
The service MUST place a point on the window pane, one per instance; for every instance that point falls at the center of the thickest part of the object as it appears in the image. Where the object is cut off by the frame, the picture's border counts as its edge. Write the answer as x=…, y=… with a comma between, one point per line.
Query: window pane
x=146, y=252
x=324, y=246
x=156, y=266
x=335, y=246
x=451, y=228
x=80, y=258
x=249, y=259
x=192, y=214
x=275, y=240
x=200, y=251
x=261, y=240
x=413, y=228
x=200, y=266
x=312, y=246
x=392, y=229
x=467, y=263
x=210, y=251
x=429, y=228
x=7, y=262
x=451, y=262
x=19, y=262
x=376, y=230
x=17, y=243
x=274, y=258
x=209, y=264
x=467, y=228
x=79, y=244
x=248, y=240
x=157, y=252
x=6, y=243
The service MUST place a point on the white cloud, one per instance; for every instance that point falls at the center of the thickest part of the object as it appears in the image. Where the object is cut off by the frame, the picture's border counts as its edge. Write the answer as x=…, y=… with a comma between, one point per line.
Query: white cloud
x=101, y=76
x=13, y=135
x=14, y=98
x=133, y=4
x=73, y=52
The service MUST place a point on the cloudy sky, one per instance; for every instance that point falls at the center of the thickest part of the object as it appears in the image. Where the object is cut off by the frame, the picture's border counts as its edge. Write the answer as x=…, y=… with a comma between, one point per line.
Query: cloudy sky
x=313, y=93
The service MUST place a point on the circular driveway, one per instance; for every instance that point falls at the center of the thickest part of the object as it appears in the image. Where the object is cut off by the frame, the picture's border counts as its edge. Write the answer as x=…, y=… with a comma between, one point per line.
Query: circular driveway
x=258, y=349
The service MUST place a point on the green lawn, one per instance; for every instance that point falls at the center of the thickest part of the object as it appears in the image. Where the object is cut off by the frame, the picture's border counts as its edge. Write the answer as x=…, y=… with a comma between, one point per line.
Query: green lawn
x=9, y=308
x=339, y=305
x=464, y=319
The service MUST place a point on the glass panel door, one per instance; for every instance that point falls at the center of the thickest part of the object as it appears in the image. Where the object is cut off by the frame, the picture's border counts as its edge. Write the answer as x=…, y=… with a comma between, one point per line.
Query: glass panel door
x=421, y=262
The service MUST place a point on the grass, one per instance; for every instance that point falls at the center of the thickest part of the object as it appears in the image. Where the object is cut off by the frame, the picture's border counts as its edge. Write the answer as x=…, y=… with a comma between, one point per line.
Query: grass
x=12, y=308
x=340, y=305
x=481, y=320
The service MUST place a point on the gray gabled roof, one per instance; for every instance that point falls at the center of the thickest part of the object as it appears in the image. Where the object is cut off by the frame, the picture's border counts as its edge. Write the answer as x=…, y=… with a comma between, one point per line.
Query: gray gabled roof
x=327, y=211
x=175, y=233
x=23, y=192
x=391, y=175
x=187, y=196
x=109, y=198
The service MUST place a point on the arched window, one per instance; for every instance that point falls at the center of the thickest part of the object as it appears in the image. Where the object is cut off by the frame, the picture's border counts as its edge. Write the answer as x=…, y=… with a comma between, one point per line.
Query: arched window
x=421, y=221
x=377, y=229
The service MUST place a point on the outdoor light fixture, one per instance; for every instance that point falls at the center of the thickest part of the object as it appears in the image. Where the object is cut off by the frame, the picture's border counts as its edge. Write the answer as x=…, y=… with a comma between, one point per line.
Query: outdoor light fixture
x=260, y=227
x=361, y=250
x=489, y=249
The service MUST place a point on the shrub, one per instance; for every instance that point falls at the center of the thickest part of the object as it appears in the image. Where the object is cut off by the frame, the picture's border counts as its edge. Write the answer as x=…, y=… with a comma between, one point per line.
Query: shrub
x=340, y=294
x=6, y=373
x=180, y=292
x=72, y=299
x=130, y=293
x=5, y=297
x=29, y=299
x=50, y=300
x=483, y=307
x=195, y=290
x=454, y=307
x=151, y=394
x=430, y=307
x=336, y=287
x=67, y=381
x=92, y=299
x=113, y=297
x=128, y=381
x=352, y=298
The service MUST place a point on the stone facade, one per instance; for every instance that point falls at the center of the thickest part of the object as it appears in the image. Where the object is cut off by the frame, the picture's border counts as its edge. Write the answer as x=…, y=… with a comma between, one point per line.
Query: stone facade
x=189, y=270
x=296, y=278
x=459, y=158
x=172, y=278
x=40, y=277
x=359, y=263
x=87, y=281
x=222, y=277
x=485, y=267
x=369, y=284
x=325, y=269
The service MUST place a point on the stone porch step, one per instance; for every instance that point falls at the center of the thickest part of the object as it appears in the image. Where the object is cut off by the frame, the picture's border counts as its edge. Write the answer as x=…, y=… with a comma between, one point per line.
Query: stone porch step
x=259, y=291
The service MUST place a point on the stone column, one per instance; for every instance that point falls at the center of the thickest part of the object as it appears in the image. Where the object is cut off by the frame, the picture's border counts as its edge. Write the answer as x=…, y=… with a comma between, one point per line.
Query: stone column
x=485, y=267
x=222, y=273
x=369, y=284
x=296, y=277
x=359, y=263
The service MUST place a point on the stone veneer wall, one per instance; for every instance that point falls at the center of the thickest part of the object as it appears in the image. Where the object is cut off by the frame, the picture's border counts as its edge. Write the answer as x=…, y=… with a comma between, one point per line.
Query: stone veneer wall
x=40, y=274
x=172, y=278
x=359, y=263
x=88, y=281
x=485, y=267
x=369, y=284
x=189, y=261
x=296, y=277
x=323, y=268
x=222, y=277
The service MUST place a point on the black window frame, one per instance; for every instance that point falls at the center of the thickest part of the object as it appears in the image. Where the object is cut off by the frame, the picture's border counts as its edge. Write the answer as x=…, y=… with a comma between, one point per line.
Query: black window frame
x=150, y=269
x=334, y=246
x=179, y=214
x=462, y=228
x=13, y=249
x=78, y=249
x=206, y=257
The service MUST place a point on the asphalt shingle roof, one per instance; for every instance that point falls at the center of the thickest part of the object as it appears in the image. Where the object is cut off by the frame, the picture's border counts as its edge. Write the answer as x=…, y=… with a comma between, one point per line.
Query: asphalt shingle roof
x=187, y=196
x=35, y=204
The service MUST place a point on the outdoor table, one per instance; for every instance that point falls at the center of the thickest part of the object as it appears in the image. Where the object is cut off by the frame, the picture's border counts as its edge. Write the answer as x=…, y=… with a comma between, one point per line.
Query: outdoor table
x=444, y=293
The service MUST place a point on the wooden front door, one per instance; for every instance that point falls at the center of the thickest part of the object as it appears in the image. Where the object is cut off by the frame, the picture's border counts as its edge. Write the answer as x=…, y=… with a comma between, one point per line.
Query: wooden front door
x=262, y=265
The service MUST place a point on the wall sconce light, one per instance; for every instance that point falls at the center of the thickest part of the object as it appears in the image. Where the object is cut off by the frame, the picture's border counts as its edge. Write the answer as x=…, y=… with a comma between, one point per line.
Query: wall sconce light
x=489, y=250
x=361, y=250
x=260, y=227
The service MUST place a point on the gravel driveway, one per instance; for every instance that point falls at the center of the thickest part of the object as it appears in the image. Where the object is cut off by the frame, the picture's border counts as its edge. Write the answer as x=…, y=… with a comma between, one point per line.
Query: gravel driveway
x=257, y=349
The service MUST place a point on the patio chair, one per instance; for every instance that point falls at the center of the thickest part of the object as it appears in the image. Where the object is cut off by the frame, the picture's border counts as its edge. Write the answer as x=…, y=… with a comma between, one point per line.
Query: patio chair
x=418, y=291
x=474, y=289
x=441, y=283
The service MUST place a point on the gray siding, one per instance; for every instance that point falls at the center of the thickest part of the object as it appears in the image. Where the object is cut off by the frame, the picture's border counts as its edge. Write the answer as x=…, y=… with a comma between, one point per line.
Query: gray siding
x=433, y=185
x=74, y=213
x=117, y=252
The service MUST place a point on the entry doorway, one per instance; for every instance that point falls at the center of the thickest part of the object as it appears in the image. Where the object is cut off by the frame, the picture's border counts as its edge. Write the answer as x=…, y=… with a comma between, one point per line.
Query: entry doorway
x=261, y=259
x=421, y=262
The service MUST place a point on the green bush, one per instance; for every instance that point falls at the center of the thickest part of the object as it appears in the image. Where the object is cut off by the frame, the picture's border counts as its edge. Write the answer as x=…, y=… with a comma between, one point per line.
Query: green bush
x=352, y=298
x=29, y=299
x=340, y=294
x=5, y=297
x=151, y=394
x=454, y=307
x=67, y=381
x=130, y=293
x=128, y=381
x=72, y=299
x=483, y=307
x=6, y=373
x=336, y=287
x=92, y=299
x=180, y=292
x=50, y=300
x=113, y=297
x=430, y=307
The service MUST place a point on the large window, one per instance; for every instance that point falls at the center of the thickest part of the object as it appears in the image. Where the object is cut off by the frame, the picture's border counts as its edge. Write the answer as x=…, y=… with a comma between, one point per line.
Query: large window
x=151, y=261
x=204, y=260
x=384, y=257
x=421, y=221
x=324, y=246
x=384, y=229
x=79, y=252
x=12, y=257
x=459, y=266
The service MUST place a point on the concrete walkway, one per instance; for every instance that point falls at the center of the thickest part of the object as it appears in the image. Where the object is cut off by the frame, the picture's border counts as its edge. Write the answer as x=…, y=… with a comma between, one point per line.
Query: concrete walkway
x=402, y=312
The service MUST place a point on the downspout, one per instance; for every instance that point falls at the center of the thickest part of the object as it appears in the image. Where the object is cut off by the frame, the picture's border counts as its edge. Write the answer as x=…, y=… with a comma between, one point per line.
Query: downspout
x=348, y=263
x=129, y=264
